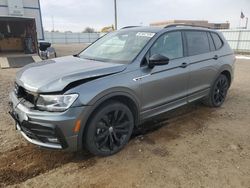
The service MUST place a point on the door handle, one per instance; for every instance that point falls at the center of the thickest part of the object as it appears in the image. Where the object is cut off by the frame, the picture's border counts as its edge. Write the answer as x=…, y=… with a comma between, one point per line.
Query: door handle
x=215, y=57
x=184, y=65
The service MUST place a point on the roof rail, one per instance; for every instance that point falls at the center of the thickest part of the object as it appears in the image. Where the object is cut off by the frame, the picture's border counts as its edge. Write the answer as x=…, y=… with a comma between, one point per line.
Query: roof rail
x=127, y=27
x=183, y=24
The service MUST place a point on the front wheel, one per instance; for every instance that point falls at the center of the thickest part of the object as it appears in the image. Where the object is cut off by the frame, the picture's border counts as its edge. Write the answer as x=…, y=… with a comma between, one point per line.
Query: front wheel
x=218, y=92
x=109, y=129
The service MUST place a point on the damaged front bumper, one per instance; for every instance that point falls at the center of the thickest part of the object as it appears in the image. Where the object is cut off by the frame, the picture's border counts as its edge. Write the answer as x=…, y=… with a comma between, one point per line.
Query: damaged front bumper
x=53, y=130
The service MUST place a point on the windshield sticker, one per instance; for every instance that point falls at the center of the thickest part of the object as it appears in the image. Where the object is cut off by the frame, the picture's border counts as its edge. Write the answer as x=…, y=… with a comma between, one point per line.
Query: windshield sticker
x=145, y=34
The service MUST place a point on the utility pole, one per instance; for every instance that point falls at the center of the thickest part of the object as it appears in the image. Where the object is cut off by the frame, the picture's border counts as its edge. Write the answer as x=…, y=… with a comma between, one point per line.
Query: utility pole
x=115, y=14
x=246, y=22
x=53, y=24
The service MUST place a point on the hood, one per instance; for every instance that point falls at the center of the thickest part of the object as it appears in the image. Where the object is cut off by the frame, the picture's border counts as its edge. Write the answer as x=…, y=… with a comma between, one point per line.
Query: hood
x=55, y=74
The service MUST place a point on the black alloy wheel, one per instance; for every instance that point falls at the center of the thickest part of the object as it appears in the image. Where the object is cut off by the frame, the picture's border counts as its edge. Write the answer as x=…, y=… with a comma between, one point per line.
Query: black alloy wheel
x=218, y=92
x=110, y=129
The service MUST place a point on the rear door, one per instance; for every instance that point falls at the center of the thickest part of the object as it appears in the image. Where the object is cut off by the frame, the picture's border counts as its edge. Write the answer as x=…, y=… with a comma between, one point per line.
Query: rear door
x=202, y=60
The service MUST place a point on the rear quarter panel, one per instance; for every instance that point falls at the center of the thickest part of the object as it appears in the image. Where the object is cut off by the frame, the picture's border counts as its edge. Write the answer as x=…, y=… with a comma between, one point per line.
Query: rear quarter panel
x=227, y=57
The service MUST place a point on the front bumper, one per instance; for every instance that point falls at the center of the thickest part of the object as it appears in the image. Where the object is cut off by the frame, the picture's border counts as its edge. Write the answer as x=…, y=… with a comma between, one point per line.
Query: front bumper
x=52, y=130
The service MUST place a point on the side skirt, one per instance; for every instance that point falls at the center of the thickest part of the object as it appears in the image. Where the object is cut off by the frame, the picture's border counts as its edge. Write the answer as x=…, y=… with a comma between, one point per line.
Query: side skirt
x=144, y=115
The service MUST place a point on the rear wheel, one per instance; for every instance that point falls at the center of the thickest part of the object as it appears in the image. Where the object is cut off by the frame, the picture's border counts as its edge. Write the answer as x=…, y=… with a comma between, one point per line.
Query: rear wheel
x=109, y=129
x=218, y=92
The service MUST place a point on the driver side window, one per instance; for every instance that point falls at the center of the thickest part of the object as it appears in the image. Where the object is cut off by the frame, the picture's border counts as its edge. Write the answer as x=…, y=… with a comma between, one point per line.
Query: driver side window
x=168, y=45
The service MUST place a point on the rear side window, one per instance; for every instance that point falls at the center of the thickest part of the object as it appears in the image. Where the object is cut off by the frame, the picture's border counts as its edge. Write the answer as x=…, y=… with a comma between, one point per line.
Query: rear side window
x=217, y=41
x=197, y=42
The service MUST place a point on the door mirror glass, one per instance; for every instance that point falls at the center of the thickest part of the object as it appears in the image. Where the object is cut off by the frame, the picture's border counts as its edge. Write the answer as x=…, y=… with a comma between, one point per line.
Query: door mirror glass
x=157, y=59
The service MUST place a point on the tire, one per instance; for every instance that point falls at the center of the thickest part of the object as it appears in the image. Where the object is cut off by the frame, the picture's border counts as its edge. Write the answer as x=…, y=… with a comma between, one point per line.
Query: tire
x=218, y=92
x=109, y=129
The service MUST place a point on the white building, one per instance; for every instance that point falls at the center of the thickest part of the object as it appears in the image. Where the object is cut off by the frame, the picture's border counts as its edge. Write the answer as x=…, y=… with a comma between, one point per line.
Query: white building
x=20, y=29
x=26, y=9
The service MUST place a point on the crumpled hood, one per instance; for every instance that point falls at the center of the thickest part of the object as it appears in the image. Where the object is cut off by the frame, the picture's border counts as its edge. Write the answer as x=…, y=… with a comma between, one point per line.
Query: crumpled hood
x=55, y=74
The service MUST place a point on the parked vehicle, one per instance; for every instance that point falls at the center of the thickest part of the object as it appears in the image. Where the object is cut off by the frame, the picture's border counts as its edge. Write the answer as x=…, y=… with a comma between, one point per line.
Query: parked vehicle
x=96, y=98
x=45, y=50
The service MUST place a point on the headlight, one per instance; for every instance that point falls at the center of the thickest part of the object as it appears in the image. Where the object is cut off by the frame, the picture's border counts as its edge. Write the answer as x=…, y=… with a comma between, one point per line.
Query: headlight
x=55, y=103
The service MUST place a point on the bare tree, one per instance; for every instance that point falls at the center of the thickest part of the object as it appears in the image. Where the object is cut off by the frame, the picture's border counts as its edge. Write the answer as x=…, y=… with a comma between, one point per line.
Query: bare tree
x=88, y=30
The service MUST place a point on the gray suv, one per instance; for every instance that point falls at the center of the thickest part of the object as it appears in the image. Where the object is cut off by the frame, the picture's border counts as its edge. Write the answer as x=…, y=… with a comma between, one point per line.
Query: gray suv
x=96, y=98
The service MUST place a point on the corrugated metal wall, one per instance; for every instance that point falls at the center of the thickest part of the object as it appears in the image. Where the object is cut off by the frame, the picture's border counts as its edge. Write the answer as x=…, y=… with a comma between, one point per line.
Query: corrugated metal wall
x=67, y=38
x=239, y=40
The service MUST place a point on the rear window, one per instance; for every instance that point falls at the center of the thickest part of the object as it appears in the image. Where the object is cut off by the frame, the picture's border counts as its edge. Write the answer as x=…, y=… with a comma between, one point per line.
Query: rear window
x=217, y=41
x=197, y=42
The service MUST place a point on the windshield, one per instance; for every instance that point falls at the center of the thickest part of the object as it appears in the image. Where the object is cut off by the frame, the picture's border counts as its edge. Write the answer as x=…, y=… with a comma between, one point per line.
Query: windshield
x=120, y=47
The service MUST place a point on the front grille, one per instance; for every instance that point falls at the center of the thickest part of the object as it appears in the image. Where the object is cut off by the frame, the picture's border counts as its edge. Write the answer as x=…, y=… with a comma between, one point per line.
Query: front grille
x=23, y=93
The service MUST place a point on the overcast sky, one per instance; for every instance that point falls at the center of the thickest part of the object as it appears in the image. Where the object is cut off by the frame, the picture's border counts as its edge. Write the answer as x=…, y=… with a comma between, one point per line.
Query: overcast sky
x=75, y=15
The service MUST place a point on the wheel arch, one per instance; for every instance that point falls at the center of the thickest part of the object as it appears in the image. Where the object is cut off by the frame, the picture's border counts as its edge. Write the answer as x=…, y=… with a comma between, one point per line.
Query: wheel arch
x=122, y=97
x=228, y=75
x=227, y=71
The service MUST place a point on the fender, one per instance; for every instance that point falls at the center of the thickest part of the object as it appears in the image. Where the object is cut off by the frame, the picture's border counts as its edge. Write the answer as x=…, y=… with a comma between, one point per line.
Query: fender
x=225, y=67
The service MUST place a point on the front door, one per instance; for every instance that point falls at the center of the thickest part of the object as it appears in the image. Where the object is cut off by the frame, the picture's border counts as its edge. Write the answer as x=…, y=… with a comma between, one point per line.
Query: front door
x=165, y=87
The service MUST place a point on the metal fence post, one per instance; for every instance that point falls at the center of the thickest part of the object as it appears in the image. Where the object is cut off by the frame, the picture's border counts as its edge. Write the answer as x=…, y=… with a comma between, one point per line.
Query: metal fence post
x=79, y=38
x=238, y=41
x=52, y=37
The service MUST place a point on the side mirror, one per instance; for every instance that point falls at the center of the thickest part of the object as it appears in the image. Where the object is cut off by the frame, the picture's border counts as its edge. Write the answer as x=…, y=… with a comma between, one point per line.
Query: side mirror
x=157, y=59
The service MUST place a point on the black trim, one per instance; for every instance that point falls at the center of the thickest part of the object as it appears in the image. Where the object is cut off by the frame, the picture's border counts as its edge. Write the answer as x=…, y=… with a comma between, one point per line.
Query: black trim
x=226, y=55
x=35, y=8
x=179, y=98
x=184, y=41
x=201, y=61
x=156, y=72
x=222, y=42
x=180, y=66
x=209, y=59
x=209, y=42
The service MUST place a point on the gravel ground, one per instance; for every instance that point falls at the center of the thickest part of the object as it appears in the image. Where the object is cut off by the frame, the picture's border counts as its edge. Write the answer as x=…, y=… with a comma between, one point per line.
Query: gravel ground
x=194, y=146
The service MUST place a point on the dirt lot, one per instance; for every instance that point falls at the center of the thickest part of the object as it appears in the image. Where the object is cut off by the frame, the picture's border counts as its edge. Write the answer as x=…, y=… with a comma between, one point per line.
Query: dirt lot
x=194, y=146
